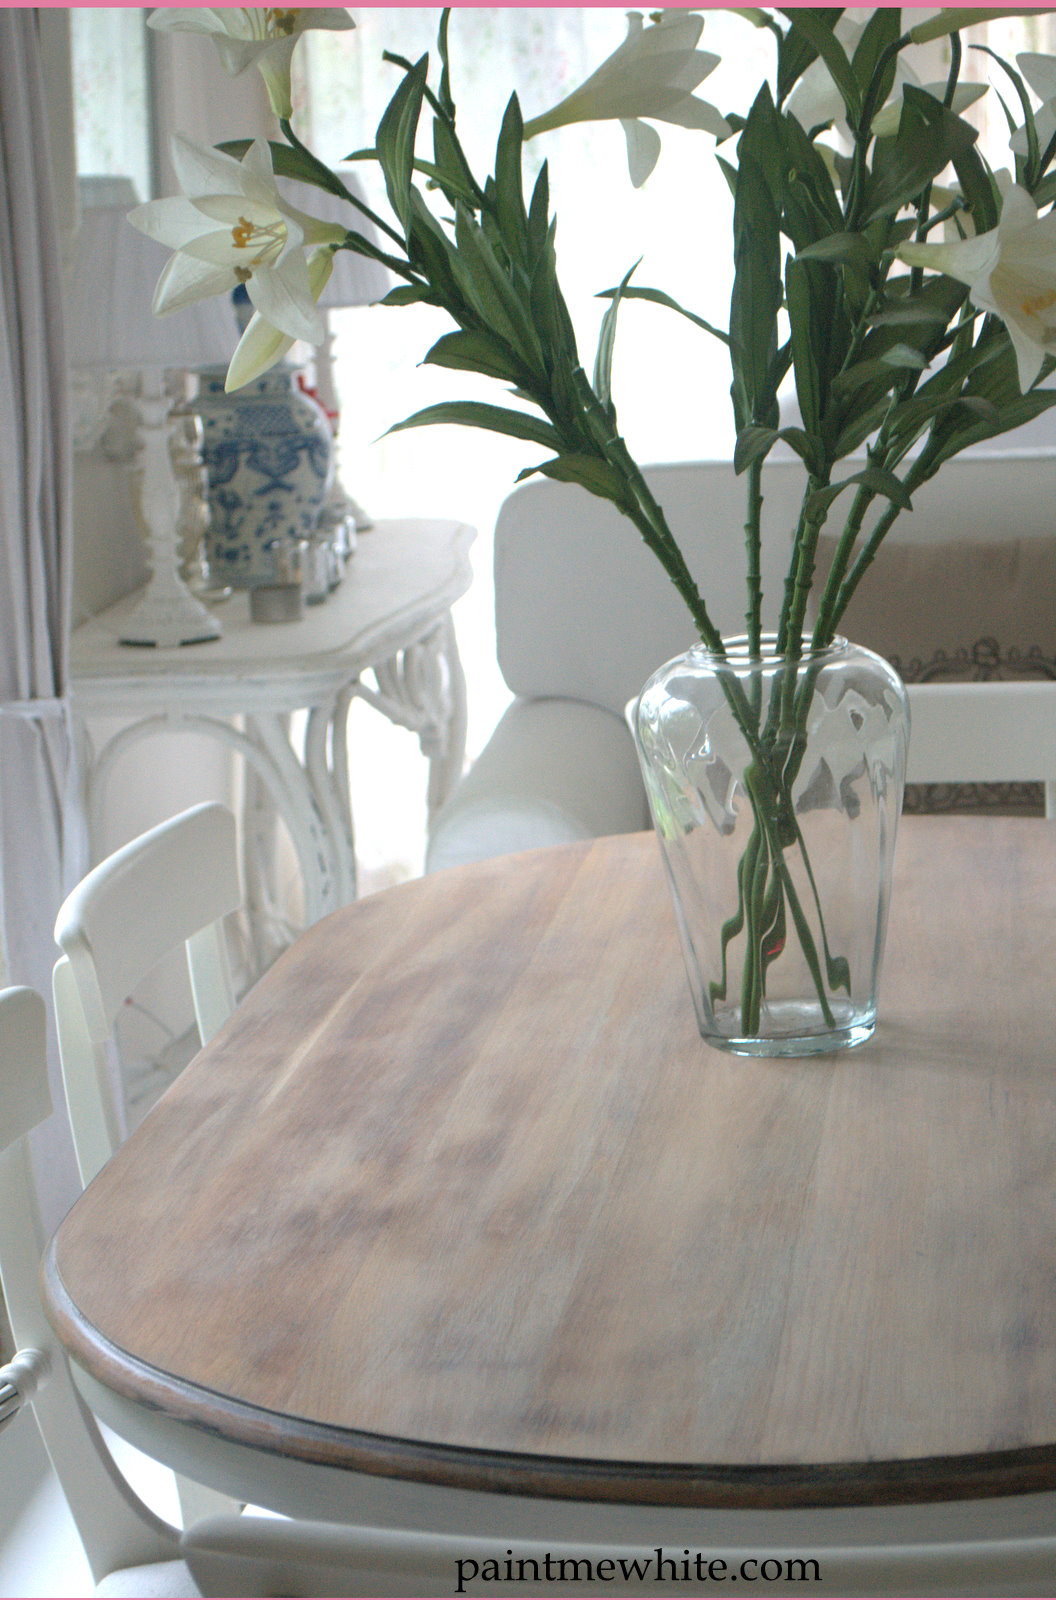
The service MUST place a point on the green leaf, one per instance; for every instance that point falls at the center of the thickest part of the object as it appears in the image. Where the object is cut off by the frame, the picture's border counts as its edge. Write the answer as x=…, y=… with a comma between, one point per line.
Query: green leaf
x=607, y=344
x=396, y=136
x=818, y=31
x=882, y=30
x=756, y=298
x=729, y=172
x=492, y=292
x=859, y=426
x=509, y=194
x=803, y=184
x=408, y=294
x=476, y=414
x=449, y=168
x=1045, y=193
x=808, y=447
x=553, y=325
x=590, y=472
x=929, y=137
x=904, y=355
x=885, y=483
x=433, y=253
x=915, y=314
x=952, y=19
x=978, y=189
x=838, y=247
x=861, y=375
x=752, y=443
x=659, y=298
x=1033, y=153
x=539, y=213
x=444, y=92
x=476, y=352
x=804, y=351
x=794, y=55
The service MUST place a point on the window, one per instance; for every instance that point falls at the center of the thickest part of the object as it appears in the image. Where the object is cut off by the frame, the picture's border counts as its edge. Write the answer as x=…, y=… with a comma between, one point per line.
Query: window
x=111, y=93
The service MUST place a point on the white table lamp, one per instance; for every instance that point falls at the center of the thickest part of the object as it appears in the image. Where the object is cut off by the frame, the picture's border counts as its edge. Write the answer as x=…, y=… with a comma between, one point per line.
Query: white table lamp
x=111, y=329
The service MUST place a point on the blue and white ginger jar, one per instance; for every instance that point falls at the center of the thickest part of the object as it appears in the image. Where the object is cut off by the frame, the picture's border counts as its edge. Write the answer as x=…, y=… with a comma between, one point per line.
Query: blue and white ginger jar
x=269, y=455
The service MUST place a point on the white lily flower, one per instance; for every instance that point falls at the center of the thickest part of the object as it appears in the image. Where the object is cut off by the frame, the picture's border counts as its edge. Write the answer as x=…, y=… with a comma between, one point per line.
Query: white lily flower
x=262, y=344
x=232, y=226
x=1040, y=73
x=1011, y=271
x=816, y=100
x=651, y=74
x=245, y=36
x=885, y=123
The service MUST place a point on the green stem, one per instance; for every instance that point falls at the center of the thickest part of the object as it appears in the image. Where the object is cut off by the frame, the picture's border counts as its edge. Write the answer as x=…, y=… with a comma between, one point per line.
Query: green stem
x=332, y=183
x=753, y=542
x=921, y=470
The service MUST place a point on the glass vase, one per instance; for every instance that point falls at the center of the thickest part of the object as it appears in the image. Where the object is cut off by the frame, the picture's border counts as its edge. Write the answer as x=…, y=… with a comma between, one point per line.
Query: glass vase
x=775, y=787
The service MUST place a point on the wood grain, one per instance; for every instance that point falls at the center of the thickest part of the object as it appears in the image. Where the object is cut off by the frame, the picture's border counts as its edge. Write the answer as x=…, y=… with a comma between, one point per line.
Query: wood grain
x=460, y=1194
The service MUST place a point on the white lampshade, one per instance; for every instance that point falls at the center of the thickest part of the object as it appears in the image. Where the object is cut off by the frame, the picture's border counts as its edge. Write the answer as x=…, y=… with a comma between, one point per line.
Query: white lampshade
x=115, y=269
x=356, y=280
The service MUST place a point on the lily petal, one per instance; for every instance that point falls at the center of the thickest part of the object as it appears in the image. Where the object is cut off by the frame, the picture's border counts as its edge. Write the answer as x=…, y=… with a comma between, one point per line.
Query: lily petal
x=651, y=74
x=284, y=296
x=1010, y=271
x=643, y=149
x=264, y=36
x=262, y=345
x=259, y=348
x=184, y=279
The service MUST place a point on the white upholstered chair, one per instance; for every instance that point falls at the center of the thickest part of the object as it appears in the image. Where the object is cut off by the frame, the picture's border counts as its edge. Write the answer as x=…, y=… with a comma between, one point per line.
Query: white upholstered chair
x=584, y=614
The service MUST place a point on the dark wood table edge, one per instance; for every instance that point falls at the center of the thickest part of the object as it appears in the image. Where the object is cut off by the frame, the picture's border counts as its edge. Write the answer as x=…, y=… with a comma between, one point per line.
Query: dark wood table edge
x=789, y=1486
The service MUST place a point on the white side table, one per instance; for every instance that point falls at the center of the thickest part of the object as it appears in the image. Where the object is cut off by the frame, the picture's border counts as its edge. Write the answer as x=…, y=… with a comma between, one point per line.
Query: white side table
x=390, y=617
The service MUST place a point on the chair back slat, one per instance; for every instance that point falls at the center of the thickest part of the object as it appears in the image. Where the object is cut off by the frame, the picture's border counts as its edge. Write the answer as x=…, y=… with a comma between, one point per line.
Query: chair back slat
x=142, y=902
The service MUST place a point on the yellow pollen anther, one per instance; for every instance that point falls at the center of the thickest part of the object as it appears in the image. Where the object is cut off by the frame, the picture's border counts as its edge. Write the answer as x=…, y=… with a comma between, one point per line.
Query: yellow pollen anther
x=1033, y=305
x=243, y=274
x=242, y=233
x=281, y=20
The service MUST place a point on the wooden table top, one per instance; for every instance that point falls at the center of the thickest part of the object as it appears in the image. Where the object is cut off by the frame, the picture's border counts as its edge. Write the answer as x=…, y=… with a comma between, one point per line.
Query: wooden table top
x=459, y=1194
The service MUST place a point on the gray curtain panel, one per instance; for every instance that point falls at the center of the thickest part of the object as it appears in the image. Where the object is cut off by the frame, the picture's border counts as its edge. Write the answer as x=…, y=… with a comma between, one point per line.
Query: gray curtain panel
x=35, y=564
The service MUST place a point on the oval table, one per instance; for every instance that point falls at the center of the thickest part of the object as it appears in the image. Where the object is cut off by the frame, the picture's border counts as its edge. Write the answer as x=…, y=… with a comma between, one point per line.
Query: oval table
x=459, y=1198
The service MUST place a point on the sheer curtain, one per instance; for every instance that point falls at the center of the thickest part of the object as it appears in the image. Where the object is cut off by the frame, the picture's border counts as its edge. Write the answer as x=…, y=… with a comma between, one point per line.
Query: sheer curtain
x=39, y=838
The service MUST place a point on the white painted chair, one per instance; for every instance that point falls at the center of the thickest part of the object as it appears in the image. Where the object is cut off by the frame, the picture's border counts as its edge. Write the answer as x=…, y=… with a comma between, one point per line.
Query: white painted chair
x=584, y=614
x=1002, y=1547
x=171, y=886
x=117, y=1530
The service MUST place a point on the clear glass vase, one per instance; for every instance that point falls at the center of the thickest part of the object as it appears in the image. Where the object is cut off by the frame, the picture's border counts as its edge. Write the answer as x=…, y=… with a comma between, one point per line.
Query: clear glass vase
x=776, y=787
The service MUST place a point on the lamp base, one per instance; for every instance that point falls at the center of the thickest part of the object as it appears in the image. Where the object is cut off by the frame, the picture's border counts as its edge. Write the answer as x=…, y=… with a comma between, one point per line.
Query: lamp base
x=167, y=614
x=169, y=618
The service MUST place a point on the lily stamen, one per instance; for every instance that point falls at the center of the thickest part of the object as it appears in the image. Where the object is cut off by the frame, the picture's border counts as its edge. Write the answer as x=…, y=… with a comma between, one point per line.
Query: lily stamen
x=267, y=237
x=281, y=21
